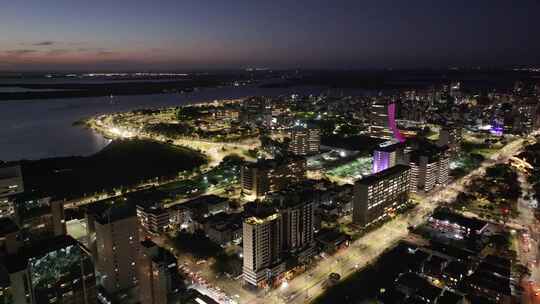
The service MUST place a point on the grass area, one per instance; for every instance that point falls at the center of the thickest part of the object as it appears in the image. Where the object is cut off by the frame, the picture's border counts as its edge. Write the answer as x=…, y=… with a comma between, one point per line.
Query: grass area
x=227, y=263
x=493, y=196
x=484, y=148
x=224, y=175
x=357, y=168
x=201, y=247
x=196, y=244
x=123, y=163
x=465, y=163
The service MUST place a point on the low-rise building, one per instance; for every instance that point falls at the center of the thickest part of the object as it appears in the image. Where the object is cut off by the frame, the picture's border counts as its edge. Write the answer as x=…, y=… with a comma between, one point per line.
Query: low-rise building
x=224, y=228
x=185, y=215
x=152, y=219
x=331, y=240
x=454, y=224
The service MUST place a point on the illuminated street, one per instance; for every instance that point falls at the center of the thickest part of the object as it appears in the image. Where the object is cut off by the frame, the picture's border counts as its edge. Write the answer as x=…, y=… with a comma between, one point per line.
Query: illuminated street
x=365, y=250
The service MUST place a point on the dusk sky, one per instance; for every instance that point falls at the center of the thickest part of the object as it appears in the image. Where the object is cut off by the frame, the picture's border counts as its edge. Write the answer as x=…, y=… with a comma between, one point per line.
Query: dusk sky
x=187, y=34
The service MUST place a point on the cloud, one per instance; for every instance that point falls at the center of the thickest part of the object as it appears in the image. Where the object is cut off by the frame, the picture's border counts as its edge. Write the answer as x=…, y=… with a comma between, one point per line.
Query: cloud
x=20, y=52
x=44, y=43
x=56, y=52
x=104, y=53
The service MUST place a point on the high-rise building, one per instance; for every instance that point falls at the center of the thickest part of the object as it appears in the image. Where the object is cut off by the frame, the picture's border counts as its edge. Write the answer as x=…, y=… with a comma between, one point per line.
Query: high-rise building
x=270, y=175
x=379, y=120
x=380, y=195
x=451, y=136
x=262, y=249
x=159, y=280
x=56, y=270
x=114, y=240
x=387, y=155
x=383, y=121
x=297, y=211
x=305, y=140
x=429, y=168
x=11, y=184
x=525, y=116
x=39, y=217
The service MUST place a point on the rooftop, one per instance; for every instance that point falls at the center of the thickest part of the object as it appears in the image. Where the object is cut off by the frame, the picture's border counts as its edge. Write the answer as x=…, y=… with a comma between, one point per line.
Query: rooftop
x=470, y=223
x=18, y=262
x=490, y=281
x=332, y=236
x=203, y=202
x=273, y=163
x=107, y=212
x=389, y=147
x=392, y=171
x=255, y=220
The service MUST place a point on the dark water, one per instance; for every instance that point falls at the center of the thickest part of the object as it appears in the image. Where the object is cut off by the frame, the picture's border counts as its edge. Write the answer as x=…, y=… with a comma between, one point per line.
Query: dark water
x=34, y=129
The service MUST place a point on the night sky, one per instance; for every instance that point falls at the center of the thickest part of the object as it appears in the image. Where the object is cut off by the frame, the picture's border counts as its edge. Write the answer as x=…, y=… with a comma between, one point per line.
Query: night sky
x=188, y=34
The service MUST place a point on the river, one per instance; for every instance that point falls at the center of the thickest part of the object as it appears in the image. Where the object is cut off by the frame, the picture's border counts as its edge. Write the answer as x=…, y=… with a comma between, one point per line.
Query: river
x=35, y=129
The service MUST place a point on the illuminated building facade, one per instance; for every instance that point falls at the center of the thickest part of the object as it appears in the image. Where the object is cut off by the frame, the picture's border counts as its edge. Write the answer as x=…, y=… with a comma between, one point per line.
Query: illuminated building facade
x=429, y=168
x=383, y=118
x=387, y=155
x=451, y=136
x=271, y=175
x=305, y=140
x=152, y=219
x=380, y=195
x=262, y=248
x=379, y=120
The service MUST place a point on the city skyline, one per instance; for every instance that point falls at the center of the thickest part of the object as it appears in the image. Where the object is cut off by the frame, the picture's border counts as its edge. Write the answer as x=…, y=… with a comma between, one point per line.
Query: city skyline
x=289, y=152
x=169, y=35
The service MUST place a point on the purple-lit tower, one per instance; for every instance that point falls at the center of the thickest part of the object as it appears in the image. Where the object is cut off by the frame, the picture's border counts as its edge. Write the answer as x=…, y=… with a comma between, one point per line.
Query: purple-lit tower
x=497, y=128
x=383, y=118
x=392, y=123
x=387, y=155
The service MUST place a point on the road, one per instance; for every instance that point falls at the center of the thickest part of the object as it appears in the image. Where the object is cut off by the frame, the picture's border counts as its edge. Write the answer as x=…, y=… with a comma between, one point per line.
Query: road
x=366, y=249
x=215, y=151
x=528, y=252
